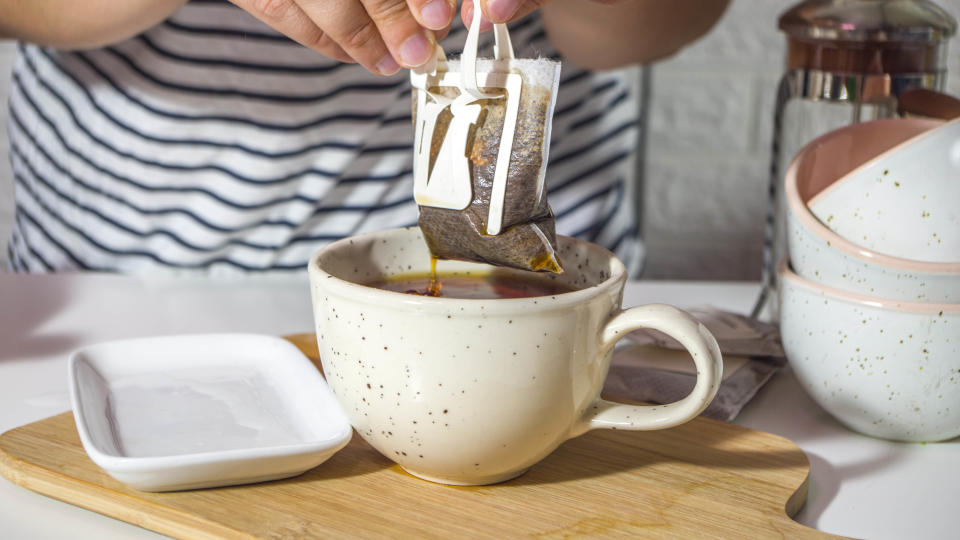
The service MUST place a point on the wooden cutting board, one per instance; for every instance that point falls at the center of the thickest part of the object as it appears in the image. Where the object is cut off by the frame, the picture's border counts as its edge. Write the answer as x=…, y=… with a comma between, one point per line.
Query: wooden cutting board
x=702, y=479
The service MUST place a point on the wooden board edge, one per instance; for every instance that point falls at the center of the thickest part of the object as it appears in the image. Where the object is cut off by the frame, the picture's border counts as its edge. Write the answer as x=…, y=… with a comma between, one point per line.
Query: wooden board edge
x=797, y=501
x=103, y=500
x=793, y=506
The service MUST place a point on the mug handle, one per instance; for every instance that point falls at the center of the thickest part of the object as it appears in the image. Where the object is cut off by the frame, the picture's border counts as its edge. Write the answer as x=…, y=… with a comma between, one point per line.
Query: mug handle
x=694, y=337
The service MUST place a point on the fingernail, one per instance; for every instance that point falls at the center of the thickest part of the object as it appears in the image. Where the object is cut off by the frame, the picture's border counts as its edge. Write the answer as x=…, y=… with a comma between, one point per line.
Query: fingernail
x=502, y=10
x=416, y=50
x=436, y=14
x=387, y=65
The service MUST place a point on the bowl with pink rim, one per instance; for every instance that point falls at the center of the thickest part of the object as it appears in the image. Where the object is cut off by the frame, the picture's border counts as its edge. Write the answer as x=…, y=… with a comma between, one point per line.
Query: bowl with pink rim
x=885, y=368
x=821, y=255
x=905, y=202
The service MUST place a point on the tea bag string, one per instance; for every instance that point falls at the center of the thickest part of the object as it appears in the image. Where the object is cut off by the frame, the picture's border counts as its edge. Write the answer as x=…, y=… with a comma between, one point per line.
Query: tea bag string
x=502, y=50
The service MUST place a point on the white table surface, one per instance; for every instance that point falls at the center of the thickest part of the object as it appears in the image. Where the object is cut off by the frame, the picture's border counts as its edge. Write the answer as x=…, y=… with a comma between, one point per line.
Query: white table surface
x=859, y=487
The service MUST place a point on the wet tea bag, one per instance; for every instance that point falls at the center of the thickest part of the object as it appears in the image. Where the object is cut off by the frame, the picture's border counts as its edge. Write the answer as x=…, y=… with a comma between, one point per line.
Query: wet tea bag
x=482, y=136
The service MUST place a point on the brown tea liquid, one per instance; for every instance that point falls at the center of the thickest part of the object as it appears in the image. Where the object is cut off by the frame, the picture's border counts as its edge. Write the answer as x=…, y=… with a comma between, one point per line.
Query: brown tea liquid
x=489, y=286
x=434, y=287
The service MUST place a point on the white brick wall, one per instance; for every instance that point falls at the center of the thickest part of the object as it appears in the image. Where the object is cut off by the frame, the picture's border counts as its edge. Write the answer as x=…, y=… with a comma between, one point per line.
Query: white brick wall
x=708, y=146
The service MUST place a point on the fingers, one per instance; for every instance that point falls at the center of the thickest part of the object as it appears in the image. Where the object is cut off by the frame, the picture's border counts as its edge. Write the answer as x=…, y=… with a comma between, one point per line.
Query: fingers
x=348, y=24
x=410, y=44
x=466, y=13
x=288, y=18
x=381, y=35
x=500, y=11
x=433, y=14
x=440, y=34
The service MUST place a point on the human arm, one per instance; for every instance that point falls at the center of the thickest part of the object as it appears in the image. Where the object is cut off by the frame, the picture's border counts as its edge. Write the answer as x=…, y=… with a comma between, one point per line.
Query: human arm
x=74, y=24
x=605, y=34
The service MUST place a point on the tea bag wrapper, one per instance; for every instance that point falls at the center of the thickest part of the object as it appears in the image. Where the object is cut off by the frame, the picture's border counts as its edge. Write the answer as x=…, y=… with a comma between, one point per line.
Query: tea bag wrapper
x=655, y=368
x=482, y=134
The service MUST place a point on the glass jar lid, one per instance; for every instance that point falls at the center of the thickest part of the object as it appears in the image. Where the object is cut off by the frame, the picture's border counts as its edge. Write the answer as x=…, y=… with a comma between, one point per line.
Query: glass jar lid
x=868, y=21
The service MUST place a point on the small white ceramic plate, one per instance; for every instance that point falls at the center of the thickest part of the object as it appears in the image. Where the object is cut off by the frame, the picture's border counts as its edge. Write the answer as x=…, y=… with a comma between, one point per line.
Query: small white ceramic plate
x=196, y=411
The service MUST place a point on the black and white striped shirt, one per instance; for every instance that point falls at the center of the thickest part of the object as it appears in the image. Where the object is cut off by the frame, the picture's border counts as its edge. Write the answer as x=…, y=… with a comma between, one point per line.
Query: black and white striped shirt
x=211, y=143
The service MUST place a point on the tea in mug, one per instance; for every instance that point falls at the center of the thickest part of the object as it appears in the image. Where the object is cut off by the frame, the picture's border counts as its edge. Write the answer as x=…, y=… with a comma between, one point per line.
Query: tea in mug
x=489, y=286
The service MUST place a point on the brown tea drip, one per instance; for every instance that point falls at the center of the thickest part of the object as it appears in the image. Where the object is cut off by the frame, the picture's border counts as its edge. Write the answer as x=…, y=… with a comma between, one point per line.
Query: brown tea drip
x=434, y=287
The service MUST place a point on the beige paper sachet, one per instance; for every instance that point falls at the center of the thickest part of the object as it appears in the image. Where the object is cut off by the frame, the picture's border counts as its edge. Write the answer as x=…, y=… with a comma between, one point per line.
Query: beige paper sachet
x=482, y=137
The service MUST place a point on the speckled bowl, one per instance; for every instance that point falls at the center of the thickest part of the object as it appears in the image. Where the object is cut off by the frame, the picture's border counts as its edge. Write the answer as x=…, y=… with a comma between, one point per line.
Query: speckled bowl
x=904, y=202
x=823, y=256
x=889, y=369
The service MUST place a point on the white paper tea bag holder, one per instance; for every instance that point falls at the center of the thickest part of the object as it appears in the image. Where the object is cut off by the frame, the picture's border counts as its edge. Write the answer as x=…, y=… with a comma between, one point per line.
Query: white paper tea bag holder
x=446, y=182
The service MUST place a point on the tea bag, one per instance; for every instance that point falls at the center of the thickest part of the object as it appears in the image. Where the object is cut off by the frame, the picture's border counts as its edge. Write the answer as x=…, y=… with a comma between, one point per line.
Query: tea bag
x=482, y=136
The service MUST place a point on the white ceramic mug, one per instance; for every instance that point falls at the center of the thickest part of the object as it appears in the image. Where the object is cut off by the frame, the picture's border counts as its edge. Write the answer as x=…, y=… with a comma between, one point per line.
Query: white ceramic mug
x=472, y=392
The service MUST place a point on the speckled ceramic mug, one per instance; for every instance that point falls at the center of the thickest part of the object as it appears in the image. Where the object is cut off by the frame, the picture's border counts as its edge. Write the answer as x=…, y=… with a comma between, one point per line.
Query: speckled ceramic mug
x=475, y=392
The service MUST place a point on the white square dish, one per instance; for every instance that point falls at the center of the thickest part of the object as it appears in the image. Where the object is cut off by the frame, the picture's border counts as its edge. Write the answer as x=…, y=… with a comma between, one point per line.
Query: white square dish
x=196, y=411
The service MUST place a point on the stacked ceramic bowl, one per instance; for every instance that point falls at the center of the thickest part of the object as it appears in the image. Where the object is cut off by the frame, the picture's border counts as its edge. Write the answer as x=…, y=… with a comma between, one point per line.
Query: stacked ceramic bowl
x=870, y=295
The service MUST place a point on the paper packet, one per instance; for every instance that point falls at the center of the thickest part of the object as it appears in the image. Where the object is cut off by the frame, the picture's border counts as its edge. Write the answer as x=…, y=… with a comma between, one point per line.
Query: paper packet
x=482, y=137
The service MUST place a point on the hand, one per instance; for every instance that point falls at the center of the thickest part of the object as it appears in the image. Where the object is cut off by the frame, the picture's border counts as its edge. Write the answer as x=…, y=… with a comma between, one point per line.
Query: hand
x=381, y=35
x=504, y=11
